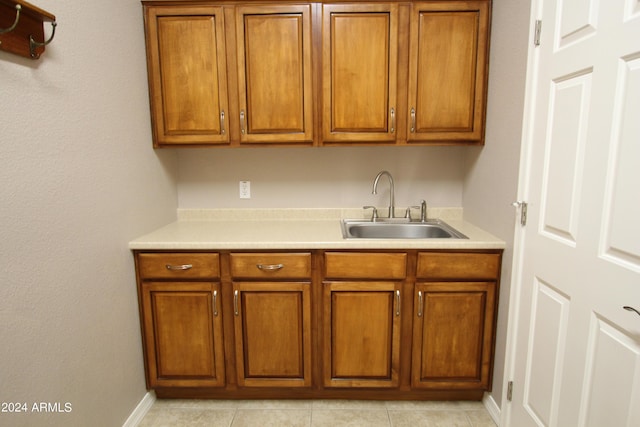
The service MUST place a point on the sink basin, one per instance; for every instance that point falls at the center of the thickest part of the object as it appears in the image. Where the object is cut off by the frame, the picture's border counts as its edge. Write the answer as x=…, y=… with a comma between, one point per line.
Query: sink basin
x=358, y=229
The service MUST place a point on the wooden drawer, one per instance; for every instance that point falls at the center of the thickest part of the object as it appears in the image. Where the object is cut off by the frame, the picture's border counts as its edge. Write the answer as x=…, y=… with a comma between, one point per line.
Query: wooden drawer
x=271, y=265
x=179, y=266
x=470, y=266
x=359, y=265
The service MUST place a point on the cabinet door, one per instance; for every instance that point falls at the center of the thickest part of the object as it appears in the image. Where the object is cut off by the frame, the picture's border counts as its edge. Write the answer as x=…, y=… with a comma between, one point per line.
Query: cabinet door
x=182, y=325
x=273, y=334
x=361, y=330
x=448, y=71
x=359, y=75
x=453, y=335
x=274, y=73
x=187, y=75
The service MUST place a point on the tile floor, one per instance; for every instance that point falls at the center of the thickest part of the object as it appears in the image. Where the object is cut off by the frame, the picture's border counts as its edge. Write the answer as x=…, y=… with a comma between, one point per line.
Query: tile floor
x=315, y=413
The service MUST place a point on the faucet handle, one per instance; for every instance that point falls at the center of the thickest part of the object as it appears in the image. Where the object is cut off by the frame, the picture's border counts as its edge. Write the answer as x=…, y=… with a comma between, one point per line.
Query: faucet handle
x=423, y=211
x=407, y=214
x=374, y=215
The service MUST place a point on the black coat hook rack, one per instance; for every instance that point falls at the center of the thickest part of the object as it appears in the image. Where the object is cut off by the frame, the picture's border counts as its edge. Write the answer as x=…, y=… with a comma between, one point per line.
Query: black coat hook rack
x=22, y=28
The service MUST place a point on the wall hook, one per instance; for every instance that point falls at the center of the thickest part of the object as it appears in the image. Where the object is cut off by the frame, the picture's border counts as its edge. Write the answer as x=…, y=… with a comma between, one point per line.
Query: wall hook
x=15, y=23
x=34, y=44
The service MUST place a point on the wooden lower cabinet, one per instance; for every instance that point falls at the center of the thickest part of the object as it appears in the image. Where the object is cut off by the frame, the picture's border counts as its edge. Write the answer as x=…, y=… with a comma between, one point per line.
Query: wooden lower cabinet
x=273, y=334
x=319, y=324
x=455, y=307
x=272, y=318
x=452, y=335
x=182, y=326
x=361, y=334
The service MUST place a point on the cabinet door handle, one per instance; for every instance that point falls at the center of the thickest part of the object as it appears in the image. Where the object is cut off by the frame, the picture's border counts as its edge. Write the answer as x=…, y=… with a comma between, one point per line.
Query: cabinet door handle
x=215, y=303
x=270, y=267
x=413, y=120
x=393, y=120
x=235, y=302
x=179, y=267
x=222, y=130
x=420, y=304
x=397, y=303
x=242, y=119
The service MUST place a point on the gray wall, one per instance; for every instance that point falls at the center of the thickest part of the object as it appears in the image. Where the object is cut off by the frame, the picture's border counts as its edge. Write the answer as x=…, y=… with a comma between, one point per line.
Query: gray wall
x=319, y=177
x=491, y=173
x=79, y=180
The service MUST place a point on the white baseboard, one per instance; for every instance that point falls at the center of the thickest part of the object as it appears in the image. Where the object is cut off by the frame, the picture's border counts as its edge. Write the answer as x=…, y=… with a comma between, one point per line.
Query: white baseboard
x=492, y=407
x=141, y=410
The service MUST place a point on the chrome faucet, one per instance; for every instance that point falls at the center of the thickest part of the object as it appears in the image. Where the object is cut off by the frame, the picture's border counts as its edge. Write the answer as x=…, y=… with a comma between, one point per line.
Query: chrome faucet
x=392, y=203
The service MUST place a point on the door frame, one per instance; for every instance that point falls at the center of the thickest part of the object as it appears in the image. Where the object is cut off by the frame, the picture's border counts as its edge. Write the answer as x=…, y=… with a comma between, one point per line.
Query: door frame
x=520, y=232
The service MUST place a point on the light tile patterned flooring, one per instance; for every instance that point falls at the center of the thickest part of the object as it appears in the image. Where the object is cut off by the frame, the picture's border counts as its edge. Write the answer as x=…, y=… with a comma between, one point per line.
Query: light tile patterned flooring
x=315, y=413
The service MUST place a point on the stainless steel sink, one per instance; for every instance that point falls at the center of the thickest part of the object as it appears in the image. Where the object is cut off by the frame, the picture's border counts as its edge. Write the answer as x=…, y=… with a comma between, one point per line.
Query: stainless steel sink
x=358, y=229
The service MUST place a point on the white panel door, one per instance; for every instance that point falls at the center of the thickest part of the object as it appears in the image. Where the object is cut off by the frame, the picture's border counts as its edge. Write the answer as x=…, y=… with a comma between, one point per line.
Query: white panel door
x=575, y=349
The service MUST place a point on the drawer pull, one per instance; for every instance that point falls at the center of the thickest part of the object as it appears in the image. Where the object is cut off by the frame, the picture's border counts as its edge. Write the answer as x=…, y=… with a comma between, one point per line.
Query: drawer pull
x=179, y=267
x=420, y=304
x=215, y=303
x=235, y=302
x=270, y=267
x=397, y=303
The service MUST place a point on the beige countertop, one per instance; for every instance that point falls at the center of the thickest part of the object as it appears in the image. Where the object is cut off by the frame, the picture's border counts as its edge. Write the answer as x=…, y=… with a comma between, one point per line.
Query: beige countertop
x=259, y=229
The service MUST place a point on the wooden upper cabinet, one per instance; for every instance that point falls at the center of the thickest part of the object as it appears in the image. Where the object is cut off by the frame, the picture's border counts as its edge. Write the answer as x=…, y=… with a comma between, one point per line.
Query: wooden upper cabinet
x=359, y=72
x=187, y=74
x=285, y=73
x=447, y=71
x=274, y=74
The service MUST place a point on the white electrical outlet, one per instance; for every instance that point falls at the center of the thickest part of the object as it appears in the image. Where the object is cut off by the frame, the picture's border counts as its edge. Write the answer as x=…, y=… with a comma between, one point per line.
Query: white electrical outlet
x=245, y=189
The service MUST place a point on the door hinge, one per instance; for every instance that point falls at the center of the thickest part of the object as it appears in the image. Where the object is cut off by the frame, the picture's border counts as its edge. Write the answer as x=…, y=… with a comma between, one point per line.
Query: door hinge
x=509, y=390
x=523, y=211
x=536, y=33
